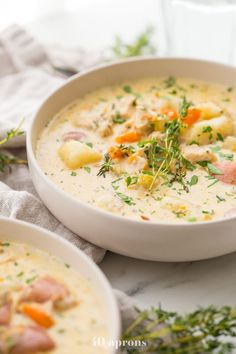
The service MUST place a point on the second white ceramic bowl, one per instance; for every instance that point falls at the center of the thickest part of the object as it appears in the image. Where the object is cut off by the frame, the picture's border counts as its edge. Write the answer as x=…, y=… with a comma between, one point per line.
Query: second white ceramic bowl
x=146, y=240
x=18, y=231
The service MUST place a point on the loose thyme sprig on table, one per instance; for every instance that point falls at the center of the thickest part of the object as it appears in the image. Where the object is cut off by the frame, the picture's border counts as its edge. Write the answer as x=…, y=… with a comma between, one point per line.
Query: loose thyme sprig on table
x=207, y=330
x=6, y=159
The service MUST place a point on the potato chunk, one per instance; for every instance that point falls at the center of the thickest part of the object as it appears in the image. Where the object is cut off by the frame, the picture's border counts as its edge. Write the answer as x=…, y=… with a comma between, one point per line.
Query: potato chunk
x=206, y=132
x=75, y=154
x=209, y=110
x=230, y=143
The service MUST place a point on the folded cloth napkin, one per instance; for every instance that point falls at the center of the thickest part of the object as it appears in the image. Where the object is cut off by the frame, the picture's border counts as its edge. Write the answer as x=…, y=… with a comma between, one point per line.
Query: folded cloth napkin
x=26, y=78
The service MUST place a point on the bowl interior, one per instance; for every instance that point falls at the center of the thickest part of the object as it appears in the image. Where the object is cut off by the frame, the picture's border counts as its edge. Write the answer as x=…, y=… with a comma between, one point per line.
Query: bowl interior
x=120, y=72
x=16, y=231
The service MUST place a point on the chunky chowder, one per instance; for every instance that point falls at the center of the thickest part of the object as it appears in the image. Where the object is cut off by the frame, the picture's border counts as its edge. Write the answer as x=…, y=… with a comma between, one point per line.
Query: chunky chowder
x=160, y=149
x=45, y=306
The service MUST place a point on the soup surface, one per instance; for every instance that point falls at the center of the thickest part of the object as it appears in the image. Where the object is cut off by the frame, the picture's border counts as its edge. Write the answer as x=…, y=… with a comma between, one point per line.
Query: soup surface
x=160, y=149
x=45, y=306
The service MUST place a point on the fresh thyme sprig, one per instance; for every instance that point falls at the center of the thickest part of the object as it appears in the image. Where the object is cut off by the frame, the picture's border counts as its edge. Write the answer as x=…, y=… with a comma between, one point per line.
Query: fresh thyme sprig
x=12, y=133
x=166, y=159
x=106, y=166
x=197, y=332
x=6, y=159
x=142, y=45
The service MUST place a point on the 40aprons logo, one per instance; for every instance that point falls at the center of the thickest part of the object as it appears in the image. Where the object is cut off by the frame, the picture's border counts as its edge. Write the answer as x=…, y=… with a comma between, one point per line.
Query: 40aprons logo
x=127, y=344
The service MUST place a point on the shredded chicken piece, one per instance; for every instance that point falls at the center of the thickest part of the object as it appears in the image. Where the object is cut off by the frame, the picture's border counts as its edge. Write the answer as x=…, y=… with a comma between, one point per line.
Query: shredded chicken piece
x=198, y=153
x=5, y=307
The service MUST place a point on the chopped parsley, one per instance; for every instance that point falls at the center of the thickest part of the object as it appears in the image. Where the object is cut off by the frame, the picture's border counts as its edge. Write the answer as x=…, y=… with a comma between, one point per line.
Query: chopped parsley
x=213, y=169
x=207, y=129
x=126, y=199
x=30, y=280
x=118, y=119
x=131, y=180
x=87, y=169
x=127, y=89
x=89, y=144
x=193, y=142
x=170, y=82
x=5, y=244
x=192, y=219
x=20, y=274
x=193, y=180
x=227, y=156
x=220, y=137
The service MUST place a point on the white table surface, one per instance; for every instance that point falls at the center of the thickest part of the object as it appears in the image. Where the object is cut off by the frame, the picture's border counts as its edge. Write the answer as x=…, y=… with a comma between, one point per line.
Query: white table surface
x=177, y=286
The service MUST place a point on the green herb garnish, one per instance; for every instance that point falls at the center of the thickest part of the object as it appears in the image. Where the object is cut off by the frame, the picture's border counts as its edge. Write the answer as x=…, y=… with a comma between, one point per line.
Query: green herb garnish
x=220, y=199
x=170, y=82
x=87, y=169
x=30, y=280
x=118, y=119
x=6, y=159
x=206, y=330
x=193, y=181
x=127, y=89
x=207, y=129
x=106, y=166
x=184, y=106
x=89, y=144
x=220, y=137
x=142, y=45
x=224, y=156
x=126, y=199
x=5, y=244
x=131, y=180
x=213, y=169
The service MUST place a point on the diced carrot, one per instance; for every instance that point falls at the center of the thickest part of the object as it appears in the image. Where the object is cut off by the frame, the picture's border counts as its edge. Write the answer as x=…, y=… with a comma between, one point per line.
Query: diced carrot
x=115, y=152
x=171, y=113
x=144, y=217
x=129, y=137
x=192, y=117
x=38, y=315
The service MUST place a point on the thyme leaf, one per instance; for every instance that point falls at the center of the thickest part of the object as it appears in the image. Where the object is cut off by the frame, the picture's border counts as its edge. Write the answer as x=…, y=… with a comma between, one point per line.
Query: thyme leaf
x=106, y=166
x=6, y=159
x=125, y=198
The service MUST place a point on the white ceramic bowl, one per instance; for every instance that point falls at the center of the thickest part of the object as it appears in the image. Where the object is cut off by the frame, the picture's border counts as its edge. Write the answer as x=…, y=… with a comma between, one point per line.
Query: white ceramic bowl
x=18, y=231
x=146, y=240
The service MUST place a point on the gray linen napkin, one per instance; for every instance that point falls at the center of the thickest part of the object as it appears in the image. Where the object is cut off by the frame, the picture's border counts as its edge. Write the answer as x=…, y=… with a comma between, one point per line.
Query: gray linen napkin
x=26, y=78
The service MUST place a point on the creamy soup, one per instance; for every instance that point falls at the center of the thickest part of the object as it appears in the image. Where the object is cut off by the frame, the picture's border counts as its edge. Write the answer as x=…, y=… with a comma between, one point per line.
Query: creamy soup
x=45, y=306
x=159, y=149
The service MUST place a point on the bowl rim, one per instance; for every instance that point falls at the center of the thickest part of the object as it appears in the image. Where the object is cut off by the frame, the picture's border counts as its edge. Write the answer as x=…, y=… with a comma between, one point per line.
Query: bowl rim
x=99, y=211
x=107, y=290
